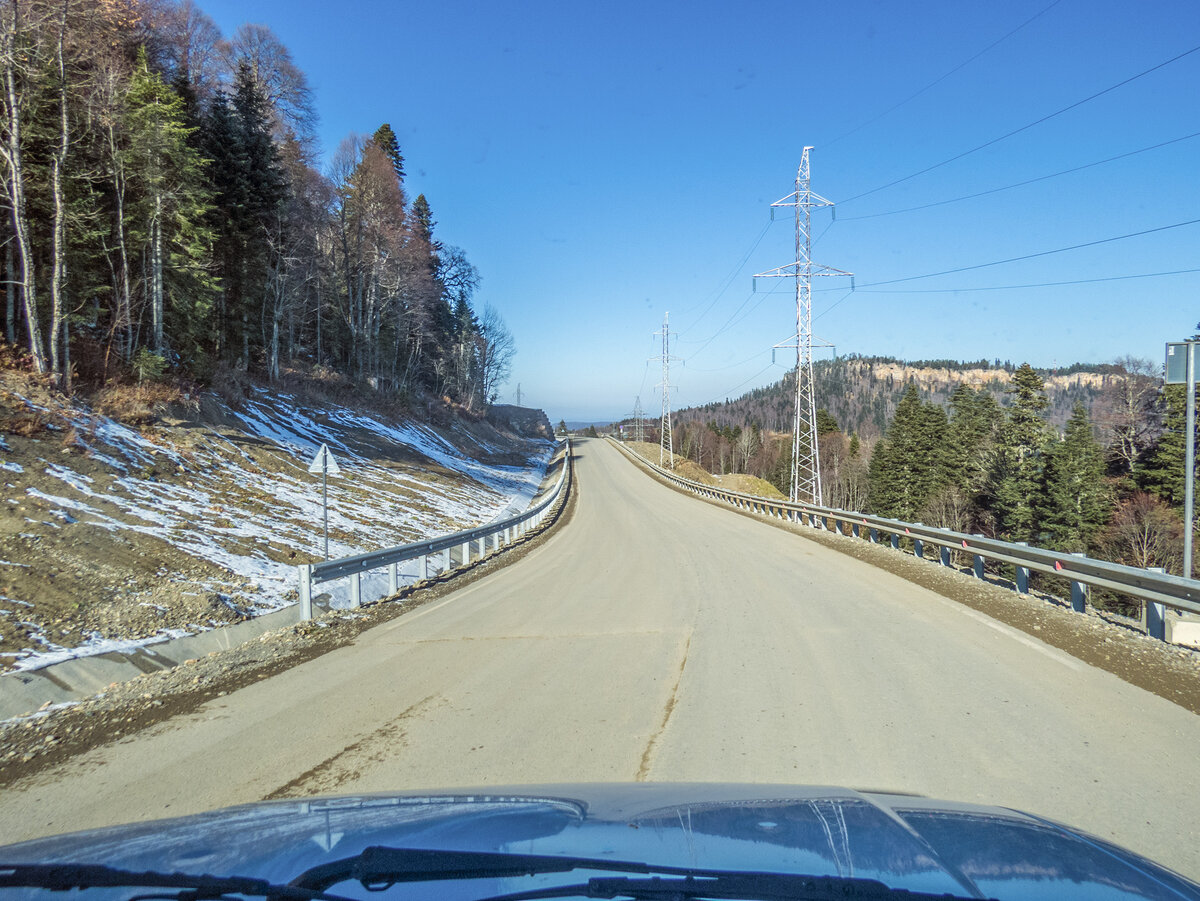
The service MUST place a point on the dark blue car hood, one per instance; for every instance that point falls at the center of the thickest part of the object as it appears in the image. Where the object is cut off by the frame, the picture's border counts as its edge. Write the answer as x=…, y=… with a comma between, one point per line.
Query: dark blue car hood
x=904, y=841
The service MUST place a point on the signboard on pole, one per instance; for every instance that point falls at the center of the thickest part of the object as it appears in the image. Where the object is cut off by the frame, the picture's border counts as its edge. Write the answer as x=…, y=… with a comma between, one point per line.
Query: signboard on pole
x=324, y=463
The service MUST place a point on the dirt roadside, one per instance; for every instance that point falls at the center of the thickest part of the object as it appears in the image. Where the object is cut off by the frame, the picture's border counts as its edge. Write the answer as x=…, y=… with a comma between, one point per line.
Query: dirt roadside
x=31, y=744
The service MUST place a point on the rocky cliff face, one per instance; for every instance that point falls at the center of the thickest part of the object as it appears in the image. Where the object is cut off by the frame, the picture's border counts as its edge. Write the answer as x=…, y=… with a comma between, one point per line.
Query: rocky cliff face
x=523, y=421
x=861, y=393
x=931, y=378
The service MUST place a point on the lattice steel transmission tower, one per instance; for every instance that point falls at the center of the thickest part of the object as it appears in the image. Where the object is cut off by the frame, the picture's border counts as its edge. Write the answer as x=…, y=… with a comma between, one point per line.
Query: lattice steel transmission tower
x=666, y=444
x=639, y=433
x=806, y=469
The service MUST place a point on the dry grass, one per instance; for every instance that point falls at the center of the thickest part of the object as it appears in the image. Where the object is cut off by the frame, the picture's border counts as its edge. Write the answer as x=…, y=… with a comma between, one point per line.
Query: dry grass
x=25, y=424
x=746, y=484
x=137, y=404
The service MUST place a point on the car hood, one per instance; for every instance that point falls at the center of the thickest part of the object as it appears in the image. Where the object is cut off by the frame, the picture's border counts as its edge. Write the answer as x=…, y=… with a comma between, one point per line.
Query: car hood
x=904, y=841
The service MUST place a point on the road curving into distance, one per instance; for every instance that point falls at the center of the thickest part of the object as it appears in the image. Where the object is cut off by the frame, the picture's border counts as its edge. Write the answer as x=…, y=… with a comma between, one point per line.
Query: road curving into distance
x=657, y=637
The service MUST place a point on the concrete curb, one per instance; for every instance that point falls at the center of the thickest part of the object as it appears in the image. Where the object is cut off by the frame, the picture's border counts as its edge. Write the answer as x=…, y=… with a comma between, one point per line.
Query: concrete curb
x=81, y=677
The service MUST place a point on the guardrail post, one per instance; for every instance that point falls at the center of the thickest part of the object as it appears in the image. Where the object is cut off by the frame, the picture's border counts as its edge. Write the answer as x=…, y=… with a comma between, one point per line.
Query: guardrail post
x=977, y=566
x=483, y=547
x=895, y=542
x=356, y=591
x=466, y=553
x=1023, y=574
x=446, y=560
x=874, y=536
x=1156, y=614
x=1078, y=591
x=305, y=592
x=394, y=578
x=918, y=548
x=854, y=529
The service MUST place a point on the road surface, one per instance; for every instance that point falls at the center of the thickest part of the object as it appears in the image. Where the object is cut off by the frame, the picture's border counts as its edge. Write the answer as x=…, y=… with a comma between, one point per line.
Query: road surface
x=657, y=637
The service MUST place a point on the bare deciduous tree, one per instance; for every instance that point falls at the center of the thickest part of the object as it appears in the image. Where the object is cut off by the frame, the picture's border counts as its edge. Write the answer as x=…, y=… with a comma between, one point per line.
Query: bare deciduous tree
x=496, y=350
x=275, y=74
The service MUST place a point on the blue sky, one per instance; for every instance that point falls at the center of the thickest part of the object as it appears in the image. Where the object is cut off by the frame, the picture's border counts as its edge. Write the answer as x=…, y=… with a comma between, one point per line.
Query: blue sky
x=605, y=163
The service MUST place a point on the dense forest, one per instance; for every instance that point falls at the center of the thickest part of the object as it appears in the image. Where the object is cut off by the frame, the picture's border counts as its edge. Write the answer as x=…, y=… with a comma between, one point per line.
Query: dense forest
x=1088, y=459
x=167, y=216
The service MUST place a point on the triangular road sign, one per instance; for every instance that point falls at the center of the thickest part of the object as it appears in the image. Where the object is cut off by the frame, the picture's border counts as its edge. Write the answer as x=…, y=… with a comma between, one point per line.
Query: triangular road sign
x=324, y=462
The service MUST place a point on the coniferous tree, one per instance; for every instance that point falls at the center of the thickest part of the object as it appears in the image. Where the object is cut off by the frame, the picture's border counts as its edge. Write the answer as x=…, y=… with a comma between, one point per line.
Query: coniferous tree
x=249, y=186
x=386, y=140
x=908, y=465
x=1075, y=501
x=1163, y=466
x=1017, y=473
x=173, y=201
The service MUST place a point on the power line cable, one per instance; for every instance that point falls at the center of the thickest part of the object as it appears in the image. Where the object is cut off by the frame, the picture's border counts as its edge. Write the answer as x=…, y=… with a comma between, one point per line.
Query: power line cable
x=721, y=330
x=743, y=384
x=731, y=365
x=835, y=304
x=1021, y=184
x=938, y=81
x=1030, y=256
x=728, y=280
x=1017, y=131
x=1081, y=281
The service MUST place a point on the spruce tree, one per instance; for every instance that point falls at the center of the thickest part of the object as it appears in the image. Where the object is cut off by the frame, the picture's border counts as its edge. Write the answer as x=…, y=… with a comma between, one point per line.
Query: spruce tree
x=249, y=185
x=171, y=204
x=386, y=140
x=1017, y=472
x=909, y=466
x=1162, y=468
x=975, y=421
x=1075, y=500
x=826, y=424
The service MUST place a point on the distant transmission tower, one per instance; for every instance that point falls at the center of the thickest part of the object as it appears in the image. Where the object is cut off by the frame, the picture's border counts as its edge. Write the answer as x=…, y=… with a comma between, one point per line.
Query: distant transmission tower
x=639, y=433
x=666, y=445
x=518, y=394
x=806, y=469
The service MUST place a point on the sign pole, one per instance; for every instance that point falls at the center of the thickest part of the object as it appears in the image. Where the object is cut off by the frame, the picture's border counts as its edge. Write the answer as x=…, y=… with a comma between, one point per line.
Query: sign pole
x=326, y=464
x=1189, y=466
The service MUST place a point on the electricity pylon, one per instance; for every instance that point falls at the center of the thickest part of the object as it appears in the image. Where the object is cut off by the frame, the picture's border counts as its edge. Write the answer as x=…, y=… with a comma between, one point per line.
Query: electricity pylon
x=639, y=434
x=806, y=468
x=666, y=444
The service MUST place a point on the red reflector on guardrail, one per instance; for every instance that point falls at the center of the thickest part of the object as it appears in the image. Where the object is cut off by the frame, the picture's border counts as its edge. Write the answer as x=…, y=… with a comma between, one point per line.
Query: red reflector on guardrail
x=1058, y=566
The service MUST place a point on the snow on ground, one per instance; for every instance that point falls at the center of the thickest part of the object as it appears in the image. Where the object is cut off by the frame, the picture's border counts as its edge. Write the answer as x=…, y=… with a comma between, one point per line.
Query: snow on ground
x=226, y=507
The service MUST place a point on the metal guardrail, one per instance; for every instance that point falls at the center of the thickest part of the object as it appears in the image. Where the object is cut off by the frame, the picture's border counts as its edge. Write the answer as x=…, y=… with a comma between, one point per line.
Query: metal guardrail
x=1156, y=590
x=498, y=534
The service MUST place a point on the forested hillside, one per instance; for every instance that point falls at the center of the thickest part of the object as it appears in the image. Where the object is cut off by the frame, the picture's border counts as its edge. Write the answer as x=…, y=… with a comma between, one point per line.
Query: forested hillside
x=862, y=393
x=1085, y=459
x=169, y=216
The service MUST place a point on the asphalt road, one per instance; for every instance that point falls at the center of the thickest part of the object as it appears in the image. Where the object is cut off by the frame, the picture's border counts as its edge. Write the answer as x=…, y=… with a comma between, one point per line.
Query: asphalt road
x=657, y=637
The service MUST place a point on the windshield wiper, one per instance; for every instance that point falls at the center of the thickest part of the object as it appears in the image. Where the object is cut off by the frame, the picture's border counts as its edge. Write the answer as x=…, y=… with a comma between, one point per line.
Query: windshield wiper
x=733, y=884
x=63, y=876
x=377, y=868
